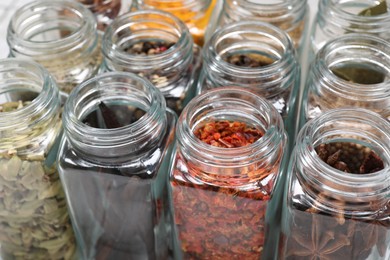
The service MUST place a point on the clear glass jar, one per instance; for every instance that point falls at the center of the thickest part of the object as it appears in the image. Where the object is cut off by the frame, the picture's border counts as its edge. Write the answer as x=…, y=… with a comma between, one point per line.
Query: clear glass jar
x=34, y=221
x=338, y=17
x=334, y=212
x=226, y=197
x=61, y=36
x=289, y=15
x=256, y=56
x=195, y=13
x=351, y=71
x=156, y=45
x=105, y=10
x=113, y=163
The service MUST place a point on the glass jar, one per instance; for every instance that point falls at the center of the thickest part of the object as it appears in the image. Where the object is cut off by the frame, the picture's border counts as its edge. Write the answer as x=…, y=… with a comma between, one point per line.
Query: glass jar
x=256, y=56
x=289, y=15
x=113, y=163
x=61, y=36
x=225, y=192
x=195, y=13
x=155, y=45
x=105, y=10
x=338, y=17
x=34, y=222
x=338, y=193
x=351, y=71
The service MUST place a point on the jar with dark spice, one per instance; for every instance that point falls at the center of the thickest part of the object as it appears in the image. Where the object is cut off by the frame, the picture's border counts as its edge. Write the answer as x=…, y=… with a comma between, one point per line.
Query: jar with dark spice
x=289, y=15
x=195, y=14
x=338, y=192
x=34, y=221
x=335, y=18
x=226, y=176
x=351, y=71
x=113, y=163
x=104, y=10
x=256, y=56
x=158, y=46
x=61, y=36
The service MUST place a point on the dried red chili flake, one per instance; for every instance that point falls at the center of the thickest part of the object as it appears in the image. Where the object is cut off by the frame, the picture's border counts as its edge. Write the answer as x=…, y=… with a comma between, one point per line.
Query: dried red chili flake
x=227, y=134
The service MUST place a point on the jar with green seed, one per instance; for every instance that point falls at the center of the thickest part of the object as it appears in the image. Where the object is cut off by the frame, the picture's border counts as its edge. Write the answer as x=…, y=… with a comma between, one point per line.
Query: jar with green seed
x=113, y=163
x=335, y=18
x=158, y=46
x=61, y=36
x=289, y=15
x=351, y=71
x=337, y=199
x=34, y=222
x=256, y=56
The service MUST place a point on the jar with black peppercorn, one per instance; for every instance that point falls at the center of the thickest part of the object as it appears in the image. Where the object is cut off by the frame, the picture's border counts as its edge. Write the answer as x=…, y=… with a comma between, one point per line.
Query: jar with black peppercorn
x=337, y=204
x=195, y=14
x=289, y=15
x=113, y=163
x=226, y=176
x=34, y=220
x=335, y=18
x=256, y=56
x=351, y=71
x=61, y=36
x=158, y=46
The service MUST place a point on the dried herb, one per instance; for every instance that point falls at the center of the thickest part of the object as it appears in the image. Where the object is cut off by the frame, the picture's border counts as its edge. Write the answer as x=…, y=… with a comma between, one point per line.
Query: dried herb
x=34, y=222
x=358, y=73
x=350, y=157
x=249, y=60
x=227, y=134
x=149, y=47
x=379, y=9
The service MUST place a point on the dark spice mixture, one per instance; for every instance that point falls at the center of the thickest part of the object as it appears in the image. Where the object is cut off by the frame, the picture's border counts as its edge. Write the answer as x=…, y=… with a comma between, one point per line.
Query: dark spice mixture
x=250, y=60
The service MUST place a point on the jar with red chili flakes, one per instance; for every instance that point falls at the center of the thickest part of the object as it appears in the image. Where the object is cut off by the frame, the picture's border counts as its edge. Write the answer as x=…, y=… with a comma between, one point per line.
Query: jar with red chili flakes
x=337, y=201
x=226, y=176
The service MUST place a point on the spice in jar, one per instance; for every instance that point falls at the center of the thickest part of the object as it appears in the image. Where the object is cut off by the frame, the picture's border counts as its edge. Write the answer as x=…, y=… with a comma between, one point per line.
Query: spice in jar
x=104, y=10
x=379, y=9
x=359, y=73
x=148, y=47
x=249, y=60
x=34, y=223
x=323, y=235
x=229, y=220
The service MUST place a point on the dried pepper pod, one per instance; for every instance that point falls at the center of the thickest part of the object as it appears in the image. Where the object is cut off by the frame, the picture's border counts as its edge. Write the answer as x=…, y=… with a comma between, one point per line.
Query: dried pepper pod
x=226, y=176
x=335, y=18
x=104, y=10
x=258, y=57
x=113, y=163
x=158, y=46
x=195, y=14
x=337, y=204
x=290, y=16
x=351, y=71
x=61, y=36
x=34, y=221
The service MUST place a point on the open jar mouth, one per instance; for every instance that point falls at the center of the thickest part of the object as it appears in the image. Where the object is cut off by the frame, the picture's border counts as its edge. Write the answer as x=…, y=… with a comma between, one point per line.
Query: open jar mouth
x=43, y=25
x=30, y=87
x=234, y=105
x=358, y=64
x=263, y=42
x=114, y=90
x=352, y=126
x=145, y=26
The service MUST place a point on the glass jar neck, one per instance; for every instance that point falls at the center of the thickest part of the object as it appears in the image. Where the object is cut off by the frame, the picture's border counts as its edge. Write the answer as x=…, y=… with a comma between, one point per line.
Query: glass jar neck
x=28, y=128
x=369, y=52
x=339, y=15
x=148, y=26
x=247, y=38
x=241, y=164
x=46, y=29
x=116, y=144
x=359, y=193
x=271, y=11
